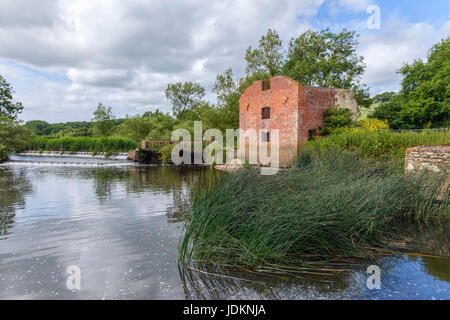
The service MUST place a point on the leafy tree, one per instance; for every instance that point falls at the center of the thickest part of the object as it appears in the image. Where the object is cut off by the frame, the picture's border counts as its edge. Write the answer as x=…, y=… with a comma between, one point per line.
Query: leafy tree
x=267, y=58
x=424, y=100
x=104, y=120
x=13, y=136
x=326, y=59
x=383, y=97
x=426, y=86
x=8, y=108
x=155, y=125
x=390, y=111
x=184, y=96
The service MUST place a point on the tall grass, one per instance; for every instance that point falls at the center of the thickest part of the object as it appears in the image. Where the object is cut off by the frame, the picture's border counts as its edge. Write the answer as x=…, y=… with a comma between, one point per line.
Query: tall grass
x=324, y=208
x=380, y=145
x=107, y=145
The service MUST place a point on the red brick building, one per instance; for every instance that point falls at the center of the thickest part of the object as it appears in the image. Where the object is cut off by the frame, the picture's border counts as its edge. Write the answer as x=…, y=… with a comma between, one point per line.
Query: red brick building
x=294, y=109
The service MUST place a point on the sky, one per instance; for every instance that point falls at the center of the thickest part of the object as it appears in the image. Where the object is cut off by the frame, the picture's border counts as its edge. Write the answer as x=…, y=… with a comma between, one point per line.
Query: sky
x=64, y=57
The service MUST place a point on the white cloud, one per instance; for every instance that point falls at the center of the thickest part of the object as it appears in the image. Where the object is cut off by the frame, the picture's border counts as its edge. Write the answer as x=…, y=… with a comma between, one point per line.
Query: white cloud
x=386, y=50
x=70, y=55
x=355, y=5
x=131, y=50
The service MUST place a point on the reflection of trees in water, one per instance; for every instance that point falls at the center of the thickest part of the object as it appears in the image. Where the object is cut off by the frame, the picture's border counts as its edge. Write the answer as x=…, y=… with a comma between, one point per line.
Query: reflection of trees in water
x=14, y=185
x=208, y=282
x=180, y=182
x=432, y=238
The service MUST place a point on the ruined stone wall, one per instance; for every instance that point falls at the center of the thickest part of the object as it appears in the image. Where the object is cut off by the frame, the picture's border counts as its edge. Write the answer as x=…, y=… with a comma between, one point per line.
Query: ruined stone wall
x=346, y=99
x=433, y=158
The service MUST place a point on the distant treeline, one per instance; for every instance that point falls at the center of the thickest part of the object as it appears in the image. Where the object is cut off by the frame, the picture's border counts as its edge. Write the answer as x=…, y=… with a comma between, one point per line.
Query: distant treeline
x=77, y=128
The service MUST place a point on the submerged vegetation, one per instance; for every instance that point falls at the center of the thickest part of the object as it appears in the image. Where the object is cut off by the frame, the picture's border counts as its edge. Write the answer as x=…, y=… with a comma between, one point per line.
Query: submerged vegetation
x=107, y=145
x=323, y=208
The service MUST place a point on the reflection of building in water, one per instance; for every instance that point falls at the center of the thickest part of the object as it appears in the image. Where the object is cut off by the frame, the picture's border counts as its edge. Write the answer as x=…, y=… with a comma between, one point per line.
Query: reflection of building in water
x=14, y=186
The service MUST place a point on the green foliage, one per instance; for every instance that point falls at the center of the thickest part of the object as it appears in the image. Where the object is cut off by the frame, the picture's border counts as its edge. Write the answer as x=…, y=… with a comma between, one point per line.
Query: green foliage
x=3, y=154
x=166, y=153
x=379, y=145
x=151, y=125
x=328, y=207
x=336, y=118
x=103, y=121
x=424, y=100
x=184, y=96
x=57, y=130
x=13, y=136
x=107, y=145
x=267, y=58
x=327, y=59
x=8, y=108
x=383, y=97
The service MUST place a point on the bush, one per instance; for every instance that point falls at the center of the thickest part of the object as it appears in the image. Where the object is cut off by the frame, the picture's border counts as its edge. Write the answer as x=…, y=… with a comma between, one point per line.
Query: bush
x=326, y=207
x=379, y=145
x=336, y=118
x=373, y=124
x=107, y=145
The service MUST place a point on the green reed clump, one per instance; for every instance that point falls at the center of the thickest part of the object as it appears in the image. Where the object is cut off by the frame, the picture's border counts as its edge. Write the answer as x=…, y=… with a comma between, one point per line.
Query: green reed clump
x=108, y=145
x=380, y=145
x=324, y=208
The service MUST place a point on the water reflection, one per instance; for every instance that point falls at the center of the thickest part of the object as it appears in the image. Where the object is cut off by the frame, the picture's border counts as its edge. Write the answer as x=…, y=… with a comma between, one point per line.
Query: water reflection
x=13, y=187
x=121, y=226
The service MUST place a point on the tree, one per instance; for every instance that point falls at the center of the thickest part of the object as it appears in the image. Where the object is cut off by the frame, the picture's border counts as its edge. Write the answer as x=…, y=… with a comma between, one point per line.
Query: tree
x=13, y=136
x=267, y=58
x=184, y=96
x=383, y=97
x=8, y=108
x=424, y=99
x=104, y=120
x=426, y=86
x=327, y=59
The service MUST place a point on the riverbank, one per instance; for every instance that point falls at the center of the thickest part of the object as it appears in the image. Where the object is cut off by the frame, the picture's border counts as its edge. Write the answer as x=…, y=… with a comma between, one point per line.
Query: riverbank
x=106, y=145
x=382, y=145
x=324, y=209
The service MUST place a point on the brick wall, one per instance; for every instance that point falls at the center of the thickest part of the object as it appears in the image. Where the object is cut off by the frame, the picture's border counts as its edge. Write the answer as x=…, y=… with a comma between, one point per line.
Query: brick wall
x=282, y=98
x=294, y=110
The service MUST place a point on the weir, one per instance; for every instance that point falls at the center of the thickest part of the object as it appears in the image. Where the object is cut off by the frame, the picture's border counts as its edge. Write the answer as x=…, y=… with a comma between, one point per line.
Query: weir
x=83, y=159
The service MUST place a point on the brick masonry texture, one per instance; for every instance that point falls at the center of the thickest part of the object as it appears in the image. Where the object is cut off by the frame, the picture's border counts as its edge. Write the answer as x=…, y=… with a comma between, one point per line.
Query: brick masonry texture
x=294, y=110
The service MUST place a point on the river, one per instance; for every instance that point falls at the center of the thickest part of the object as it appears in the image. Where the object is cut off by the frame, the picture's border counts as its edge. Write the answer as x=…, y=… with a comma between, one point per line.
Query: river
x=119, y=224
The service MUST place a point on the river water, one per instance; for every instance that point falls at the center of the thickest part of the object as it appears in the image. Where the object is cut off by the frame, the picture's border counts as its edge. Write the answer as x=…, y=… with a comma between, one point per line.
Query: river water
x=119, y=225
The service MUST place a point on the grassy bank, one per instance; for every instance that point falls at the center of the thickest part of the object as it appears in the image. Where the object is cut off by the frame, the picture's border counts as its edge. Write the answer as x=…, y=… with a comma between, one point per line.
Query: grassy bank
x=323, y=209
x=379, y=145
x=96, y=145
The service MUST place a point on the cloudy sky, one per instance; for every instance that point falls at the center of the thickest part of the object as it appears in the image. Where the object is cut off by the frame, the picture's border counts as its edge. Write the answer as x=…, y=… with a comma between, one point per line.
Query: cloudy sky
x=64, y=57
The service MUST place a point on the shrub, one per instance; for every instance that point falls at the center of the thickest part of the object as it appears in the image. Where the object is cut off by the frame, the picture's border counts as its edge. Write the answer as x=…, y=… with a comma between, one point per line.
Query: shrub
x=379, y=145
x=336, y=118
x=373, y=124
